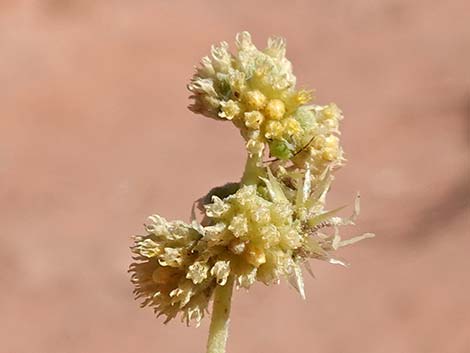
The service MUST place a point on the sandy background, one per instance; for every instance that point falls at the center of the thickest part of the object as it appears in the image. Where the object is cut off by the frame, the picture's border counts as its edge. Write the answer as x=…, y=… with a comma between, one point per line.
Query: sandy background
x=95, y=136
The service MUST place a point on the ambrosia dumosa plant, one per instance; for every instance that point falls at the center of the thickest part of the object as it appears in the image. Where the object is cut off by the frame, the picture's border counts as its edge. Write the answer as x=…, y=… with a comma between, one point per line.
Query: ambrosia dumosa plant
x=267, y=226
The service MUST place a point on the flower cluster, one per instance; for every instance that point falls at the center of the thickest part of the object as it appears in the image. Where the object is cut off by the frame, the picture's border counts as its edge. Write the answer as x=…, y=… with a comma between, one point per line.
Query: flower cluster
x=259, y=233
x=161, y=274
x=256, y=91
x=264, y=229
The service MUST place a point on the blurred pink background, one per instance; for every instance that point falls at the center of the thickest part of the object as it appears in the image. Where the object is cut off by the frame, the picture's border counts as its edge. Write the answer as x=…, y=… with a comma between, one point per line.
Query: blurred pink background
x=95, y=136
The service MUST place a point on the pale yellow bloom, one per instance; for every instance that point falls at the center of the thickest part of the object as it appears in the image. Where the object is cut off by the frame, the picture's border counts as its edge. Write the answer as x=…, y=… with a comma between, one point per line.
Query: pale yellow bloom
x=253, y=235
x=229, y=109
x=275, y=109
x=254, y=100
x=274, y=130
x=254, y=119
x=252, y=88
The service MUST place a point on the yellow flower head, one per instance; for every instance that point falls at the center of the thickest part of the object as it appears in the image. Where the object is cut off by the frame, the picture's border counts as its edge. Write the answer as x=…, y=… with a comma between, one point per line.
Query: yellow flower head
x=251, y=87
x=255, y=89
x=259, y=233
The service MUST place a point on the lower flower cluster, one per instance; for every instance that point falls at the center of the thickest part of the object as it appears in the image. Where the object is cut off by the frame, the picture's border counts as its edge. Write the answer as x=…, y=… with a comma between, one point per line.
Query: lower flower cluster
x=260, y=232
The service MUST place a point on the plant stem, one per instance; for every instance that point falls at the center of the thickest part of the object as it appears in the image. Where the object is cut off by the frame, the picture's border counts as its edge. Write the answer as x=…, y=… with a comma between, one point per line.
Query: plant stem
x=252, y=171
x=218, y=331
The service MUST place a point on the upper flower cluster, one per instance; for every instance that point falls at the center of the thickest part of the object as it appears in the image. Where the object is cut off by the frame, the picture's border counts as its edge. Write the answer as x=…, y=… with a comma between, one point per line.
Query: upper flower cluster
x=256, y=90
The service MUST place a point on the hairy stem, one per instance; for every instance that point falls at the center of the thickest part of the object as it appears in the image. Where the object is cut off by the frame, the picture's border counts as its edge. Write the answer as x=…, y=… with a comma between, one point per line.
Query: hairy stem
x=218, y=331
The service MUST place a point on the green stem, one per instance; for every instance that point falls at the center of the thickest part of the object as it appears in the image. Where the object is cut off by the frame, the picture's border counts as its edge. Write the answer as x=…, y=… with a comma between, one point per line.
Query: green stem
x=218, y=331
x=252, y=171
